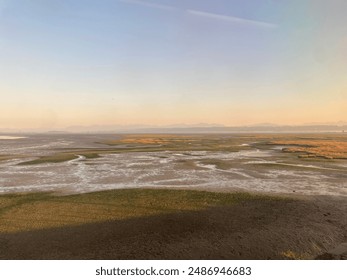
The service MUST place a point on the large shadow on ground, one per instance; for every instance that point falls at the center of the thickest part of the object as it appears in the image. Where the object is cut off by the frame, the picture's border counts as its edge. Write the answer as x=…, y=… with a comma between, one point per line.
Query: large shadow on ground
x=249, y=230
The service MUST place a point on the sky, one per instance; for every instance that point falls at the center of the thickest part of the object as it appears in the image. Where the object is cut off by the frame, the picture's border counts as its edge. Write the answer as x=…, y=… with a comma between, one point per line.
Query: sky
x=161, y=62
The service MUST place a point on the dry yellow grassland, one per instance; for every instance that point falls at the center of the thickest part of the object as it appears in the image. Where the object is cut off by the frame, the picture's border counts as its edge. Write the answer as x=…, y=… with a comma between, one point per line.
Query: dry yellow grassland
x=329, y=149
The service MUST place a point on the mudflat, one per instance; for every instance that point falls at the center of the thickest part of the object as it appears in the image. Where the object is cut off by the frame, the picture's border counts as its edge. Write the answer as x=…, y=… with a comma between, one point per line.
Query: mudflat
x=305, y=164
x=145, y=196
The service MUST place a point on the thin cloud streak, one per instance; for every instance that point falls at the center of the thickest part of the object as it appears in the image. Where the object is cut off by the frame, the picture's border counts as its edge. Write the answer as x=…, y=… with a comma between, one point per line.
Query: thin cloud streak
x=148, y=4
x=235, y=20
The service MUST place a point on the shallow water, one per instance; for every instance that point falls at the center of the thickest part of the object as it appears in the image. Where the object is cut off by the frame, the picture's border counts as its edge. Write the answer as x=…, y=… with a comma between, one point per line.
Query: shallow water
x=5, y=137
x=248, y=170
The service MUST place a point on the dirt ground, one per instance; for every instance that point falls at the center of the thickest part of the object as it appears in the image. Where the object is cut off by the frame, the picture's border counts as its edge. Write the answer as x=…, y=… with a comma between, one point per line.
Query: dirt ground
x=264, y=229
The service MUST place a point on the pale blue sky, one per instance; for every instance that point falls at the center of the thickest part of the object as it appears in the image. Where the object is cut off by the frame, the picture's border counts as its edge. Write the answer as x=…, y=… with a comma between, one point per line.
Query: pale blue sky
x=158, y=62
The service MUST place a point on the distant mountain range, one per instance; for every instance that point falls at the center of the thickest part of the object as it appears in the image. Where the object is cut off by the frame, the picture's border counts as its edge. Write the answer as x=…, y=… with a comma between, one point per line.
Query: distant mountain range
x=240, y=129
x=195, y=128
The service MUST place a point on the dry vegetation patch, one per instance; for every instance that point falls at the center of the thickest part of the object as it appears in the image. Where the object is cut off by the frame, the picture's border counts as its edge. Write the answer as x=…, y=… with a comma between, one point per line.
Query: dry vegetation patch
x=4, y=157
x=199, y=142
x=330, y=149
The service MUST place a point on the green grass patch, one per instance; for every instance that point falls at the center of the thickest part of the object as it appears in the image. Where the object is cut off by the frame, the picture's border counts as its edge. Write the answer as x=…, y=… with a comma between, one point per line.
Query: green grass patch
x=90, y=155
x=187, y=164
x=220, y=164
x=284, y=166
x=23, y=212
x=51, y=159
x=61, y=157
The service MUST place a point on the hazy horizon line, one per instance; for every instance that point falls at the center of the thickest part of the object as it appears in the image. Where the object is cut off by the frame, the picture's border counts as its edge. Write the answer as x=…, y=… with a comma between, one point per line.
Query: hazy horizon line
x=181, y=127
